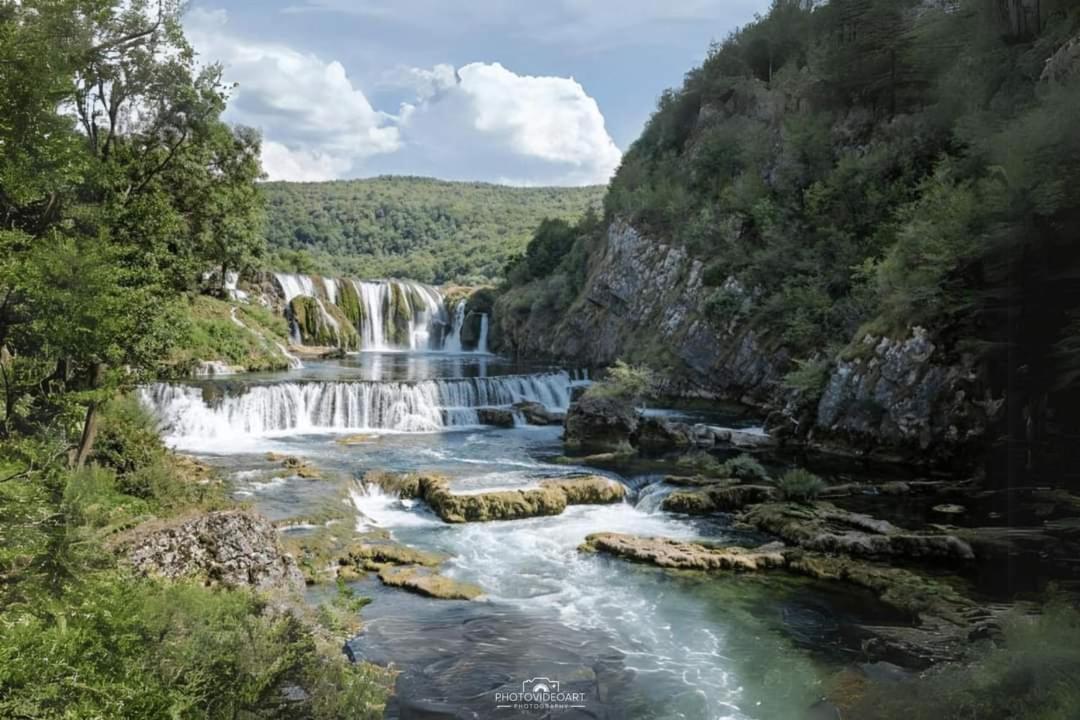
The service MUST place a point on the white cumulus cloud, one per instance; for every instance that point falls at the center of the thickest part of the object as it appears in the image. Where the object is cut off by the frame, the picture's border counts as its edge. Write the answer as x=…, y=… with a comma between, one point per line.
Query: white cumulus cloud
x=316, y=124
x=521, y=128
x=477, y=122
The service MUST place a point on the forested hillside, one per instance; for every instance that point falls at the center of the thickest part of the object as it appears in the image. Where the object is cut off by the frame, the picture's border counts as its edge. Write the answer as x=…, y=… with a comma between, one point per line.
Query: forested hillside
x=855, y=168
x=420, y=228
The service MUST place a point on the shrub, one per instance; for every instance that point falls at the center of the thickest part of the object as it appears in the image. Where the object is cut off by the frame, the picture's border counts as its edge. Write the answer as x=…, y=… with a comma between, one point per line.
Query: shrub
x=744, y=467
x=809, y=378
x=127, y=437
x=702, y=462
x=624, y=382
x=800, y=485
x=118, y=646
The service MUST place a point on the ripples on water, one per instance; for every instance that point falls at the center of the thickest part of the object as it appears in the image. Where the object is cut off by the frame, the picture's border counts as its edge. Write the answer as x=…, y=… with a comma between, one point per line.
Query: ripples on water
x=638, y=641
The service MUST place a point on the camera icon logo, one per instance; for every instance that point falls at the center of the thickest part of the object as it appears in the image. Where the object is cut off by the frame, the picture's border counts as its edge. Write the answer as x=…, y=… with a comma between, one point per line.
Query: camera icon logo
x=540, y=685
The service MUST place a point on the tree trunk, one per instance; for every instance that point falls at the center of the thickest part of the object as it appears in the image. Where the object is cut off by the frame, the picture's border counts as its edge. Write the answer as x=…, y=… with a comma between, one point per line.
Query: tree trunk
x=86, y=443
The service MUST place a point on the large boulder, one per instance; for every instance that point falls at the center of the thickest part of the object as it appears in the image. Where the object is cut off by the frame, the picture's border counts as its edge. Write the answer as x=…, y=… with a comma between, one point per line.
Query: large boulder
x=499, y=417
x=537, y=414
x=657, y=433
x=234, y=548
x=601, y=423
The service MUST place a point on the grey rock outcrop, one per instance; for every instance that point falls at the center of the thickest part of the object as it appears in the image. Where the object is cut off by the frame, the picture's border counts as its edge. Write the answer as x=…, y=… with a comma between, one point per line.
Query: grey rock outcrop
x=600, y=423
x=646, y=300
x=235, y=548
x=902, y=394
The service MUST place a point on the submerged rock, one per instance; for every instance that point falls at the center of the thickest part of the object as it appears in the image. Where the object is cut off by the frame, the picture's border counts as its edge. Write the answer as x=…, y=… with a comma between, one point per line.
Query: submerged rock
x=373, y=556
x=601, y=423
x=234, y=548
x=426, y=582
x=826, y=528
x=943, y=620
x=358, y=439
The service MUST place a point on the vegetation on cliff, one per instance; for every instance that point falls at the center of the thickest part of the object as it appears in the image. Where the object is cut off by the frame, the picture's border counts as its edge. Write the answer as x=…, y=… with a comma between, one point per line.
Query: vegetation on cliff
x=423, y=229
x=862, y=166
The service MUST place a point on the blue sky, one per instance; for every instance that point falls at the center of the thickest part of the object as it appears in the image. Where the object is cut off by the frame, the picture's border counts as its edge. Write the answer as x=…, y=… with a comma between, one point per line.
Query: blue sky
x=530, y=92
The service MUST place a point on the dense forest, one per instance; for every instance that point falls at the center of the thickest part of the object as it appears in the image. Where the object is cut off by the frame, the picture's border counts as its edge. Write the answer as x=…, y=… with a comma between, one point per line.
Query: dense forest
x=863, y=166
x=429, y=230
x=119, y=187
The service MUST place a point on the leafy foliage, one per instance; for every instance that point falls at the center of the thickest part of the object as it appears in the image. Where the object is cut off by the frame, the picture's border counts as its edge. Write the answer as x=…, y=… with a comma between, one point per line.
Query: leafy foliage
x=119, y=186
x=745, y=467
x=624, y=382
x=867, y=166
x=799, y=485
x=428, y=230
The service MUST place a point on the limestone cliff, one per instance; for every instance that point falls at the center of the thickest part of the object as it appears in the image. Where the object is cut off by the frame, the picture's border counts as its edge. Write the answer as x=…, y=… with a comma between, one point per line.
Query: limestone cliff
x=644, y=301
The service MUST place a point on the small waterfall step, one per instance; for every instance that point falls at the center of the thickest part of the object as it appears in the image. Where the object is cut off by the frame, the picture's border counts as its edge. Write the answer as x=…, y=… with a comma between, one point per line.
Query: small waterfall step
x=338, y=406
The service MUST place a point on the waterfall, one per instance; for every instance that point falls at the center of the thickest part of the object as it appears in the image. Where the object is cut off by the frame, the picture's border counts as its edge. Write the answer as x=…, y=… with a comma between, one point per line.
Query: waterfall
x=330, y=285
x=453, y=339
x=294, y=285
x=481, y=345
x=189, y=412
x=394, y=314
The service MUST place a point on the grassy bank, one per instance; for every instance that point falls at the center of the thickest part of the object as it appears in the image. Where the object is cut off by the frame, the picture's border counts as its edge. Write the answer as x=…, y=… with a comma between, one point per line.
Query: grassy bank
x=84, y=636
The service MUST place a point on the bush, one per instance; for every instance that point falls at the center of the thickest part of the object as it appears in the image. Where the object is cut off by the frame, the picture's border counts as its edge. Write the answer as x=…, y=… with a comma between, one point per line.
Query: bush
x=809, y=378
x=624, y=382
x=118, y=646
x=744, y=467
x=702, y=462
x=800, y=485
x=127, y=437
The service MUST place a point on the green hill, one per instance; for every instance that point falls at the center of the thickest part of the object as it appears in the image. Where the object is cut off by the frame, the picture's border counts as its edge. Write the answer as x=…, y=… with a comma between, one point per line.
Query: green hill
x=421, y=228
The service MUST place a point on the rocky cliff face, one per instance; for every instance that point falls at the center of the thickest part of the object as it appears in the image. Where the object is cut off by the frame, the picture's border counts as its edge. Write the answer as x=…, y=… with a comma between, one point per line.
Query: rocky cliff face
x=644, y=301
x=902, y=394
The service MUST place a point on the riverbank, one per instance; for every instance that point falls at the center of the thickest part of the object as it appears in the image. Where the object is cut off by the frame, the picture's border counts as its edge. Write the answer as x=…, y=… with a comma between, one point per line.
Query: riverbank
x=135, y=587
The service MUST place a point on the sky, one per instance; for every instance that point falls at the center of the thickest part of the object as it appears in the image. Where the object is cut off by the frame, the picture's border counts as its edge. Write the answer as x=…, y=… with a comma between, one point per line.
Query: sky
x=520, y=92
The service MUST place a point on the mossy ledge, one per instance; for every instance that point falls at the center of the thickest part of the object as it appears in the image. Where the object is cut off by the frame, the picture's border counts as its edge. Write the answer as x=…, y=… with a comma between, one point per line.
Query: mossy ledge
x=551, y=496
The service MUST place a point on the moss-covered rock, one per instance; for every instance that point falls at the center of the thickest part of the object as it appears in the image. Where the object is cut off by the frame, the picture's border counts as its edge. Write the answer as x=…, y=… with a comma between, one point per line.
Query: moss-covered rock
x=348, y=300
x=398, y=315
x=717, y=498
x=550, y=498
x=322, y=324
x=372, y=556
x=668, y=553
x=826, y=528
x=423, y=581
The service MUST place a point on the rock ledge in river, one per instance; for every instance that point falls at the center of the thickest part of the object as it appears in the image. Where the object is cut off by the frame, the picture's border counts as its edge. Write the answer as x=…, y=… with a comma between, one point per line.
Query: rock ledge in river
x=550, y=498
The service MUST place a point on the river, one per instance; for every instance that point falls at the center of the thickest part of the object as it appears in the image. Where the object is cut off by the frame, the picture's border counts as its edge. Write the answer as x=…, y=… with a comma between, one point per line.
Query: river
x=627, y=641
